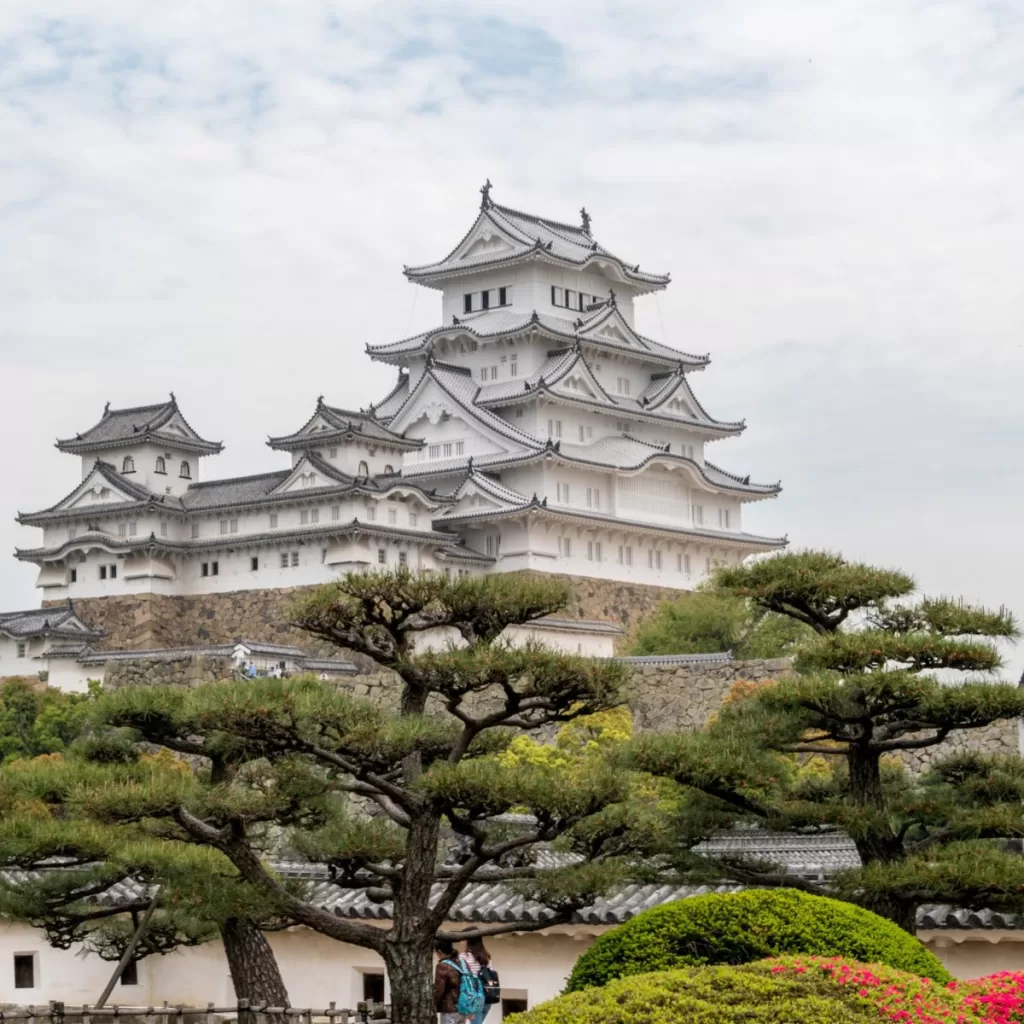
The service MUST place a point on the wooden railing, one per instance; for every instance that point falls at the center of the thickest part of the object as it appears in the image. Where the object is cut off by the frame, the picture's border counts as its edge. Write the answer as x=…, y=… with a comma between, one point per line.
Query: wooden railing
x=243, y=1010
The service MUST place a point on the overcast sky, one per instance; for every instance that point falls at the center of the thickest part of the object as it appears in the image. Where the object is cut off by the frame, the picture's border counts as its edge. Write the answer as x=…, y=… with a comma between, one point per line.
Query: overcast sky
x=218, y=198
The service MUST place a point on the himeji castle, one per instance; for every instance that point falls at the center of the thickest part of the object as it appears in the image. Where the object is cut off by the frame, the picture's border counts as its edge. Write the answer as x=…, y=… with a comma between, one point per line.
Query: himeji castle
x=534, y=429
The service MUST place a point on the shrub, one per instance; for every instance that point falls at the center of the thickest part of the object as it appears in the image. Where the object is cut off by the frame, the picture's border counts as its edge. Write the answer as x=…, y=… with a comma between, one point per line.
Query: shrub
x=999, y=996
x=741, y=927
x=785, y=991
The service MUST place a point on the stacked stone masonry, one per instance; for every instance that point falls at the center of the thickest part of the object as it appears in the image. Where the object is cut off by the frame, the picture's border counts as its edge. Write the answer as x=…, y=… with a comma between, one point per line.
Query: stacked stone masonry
x=661, y=696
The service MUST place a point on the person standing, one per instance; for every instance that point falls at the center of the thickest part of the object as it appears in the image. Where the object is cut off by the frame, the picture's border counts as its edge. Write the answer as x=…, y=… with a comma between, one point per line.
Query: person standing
x=475, y=959
x=446, y=983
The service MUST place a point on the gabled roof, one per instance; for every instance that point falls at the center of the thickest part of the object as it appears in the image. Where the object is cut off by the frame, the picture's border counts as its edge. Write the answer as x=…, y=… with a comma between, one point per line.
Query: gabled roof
x=592, y=328
x=560, y=365
x=623, y=454
x=160, y=424
x=269, y=488
x=61, y=622
x=386, y=408
x=135, y=498
x=456, y=382
x=329, y=425
x=501, y=235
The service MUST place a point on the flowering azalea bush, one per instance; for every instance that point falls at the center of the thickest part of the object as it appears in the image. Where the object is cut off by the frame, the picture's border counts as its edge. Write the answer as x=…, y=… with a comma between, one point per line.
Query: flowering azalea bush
x=998, y=997
x=788, y=990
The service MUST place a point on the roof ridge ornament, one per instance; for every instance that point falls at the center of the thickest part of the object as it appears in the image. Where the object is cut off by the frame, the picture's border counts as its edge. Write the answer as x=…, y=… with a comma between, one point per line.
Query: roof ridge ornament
x=106, y=412
x=611, y=297
x=585, y=218
x=319, y=401
x=485, y=192
x=174, y=401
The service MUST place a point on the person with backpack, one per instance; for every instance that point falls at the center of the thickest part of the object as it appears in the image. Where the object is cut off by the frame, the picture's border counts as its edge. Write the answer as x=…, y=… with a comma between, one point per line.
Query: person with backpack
x=458, y=993
x=475, y=958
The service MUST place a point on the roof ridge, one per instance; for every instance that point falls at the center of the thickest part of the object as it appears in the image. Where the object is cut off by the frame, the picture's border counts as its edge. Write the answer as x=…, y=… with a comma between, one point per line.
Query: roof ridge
x=235, y=479
x=575, y=228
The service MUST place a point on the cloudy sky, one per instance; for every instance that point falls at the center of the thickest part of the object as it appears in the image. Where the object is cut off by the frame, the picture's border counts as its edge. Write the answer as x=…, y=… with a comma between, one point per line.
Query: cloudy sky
x=218, y=198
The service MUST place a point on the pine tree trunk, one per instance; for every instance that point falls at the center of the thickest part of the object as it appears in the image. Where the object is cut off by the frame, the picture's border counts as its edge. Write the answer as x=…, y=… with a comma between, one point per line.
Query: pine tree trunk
x=254, y=970
x=900, y=912
x=410, y=968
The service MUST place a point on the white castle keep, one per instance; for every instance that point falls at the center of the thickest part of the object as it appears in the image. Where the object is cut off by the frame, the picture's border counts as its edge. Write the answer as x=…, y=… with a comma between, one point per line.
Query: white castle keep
x=535, y=429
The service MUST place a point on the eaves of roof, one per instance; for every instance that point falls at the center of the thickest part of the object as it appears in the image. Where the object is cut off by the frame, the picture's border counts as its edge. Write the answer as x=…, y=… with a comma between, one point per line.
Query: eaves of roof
x=619, y=524
x=116, y=545
x=346, y=424
x=632, y=410
x=128, y=430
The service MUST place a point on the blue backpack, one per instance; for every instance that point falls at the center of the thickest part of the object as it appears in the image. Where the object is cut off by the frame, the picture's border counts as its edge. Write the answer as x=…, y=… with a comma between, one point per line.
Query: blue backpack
x=471, y=991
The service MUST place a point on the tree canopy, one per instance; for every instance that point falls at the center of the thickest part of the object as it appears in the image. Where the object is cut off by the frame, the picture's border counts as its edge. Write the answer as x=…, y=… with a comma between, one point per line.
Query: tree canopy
x=710, y=623
x=295, y=765
x=827, y=748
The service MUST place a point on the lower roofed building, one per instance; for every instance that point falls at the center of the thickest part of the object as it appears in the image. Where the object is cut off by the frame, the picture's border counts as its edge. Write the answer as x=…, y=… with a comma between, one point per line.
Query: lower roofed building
x=536, y=429
x=533, y=965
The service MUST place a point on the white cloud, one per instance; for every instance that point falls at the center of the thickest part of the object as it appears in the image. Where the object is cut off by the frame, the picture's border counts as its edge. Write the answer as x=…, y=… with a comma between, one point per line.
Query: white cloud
x=218, y=199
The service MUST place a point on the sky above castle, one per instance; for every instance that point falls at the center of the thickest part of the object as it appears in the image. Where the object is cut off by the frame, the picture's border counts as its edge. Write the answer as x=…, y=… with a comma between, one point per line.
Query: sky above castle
x=217, y=199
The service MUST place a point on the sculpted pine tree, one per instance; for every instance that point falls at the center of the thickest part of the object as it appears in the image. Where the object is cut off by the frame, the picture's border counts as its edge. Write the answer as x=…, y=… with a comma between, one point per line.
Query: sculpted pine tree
x=88, y=885
x=822, y=749
x=426, y=763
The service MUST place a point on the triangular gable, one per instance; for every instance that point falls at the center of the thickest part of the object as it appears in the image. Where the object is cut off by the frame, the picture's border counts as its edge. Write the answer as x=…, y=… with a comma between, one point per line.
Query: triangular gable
x=487, y=239
x=96, y=490
x=611, y=328
x=475, y=495
x=577, y=380
x=305, y=476
x=430, y=402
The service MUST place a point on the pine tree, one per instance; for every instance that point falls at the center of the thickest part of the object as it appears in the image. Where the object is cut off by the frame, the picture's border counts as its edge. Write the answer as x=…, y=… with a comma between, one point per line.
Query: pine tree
x=311, y=759
x=822, y=749
x=87, y=884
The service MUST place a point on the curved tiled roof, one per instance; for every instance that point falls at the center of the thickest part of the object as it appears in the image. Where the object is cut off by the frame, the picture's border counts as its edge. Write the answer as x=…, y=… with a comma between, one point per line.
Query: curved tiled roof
x=119, y=545
x=499, y=323
x=120, y=427
x=344, y=423
x=61, y=622
x=532, y=237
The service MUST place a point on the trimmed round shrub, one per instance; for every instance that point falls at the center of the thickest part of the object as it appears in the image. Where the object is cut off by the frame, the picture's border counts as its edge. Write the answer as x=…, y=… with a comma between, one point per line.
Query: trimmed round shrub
x=786, y=991
x=737, y=928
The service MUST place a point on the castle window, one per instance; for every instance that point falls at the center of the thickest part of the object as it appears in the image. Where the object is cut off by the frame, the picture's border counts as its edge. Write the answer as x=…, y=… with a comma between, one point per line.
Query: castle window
x=314, y=515
x=127, y=464
x=723, y=518
x=371, y=513
x=412, y=519
x=653, y=559
x=707, y=565
x=254, y=564
x=122, y=529
x=24, y=970
x=22, y=649
x=295, y=559
x=492, y=545
x=161, y=465
x=467, y=302
x=593, y=497
x=364, y=469
x=335, y=512
x=503, y=296
x=485, y=300
x=388, y=468
x=563, y=492
x=554, y=428
x=163, y=529
x=304, y=517
x=697, y=515
x=209, y=569
x=392, y=516
x=185, y=472
x=683, y=563
x=284, y=560
x=130, y=974
x=625, y=555
x=594, y=550
x=557, y=296
x=623, y=385
x=403, y=557
x=332, y=452
x=73, y=576
x=195, y=531
x=132, y=529
x=513, y=368
x=565, y=547
x=382, y=556
x=223, y=527
x=273, y=520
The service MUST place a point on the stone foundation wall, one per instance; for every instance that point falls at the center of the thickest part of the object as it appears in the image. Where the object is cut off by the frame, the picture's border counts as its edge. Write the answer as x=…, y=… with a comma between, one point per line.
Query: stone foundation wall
x=188, y=670
x=138, y=621
x=665, y=697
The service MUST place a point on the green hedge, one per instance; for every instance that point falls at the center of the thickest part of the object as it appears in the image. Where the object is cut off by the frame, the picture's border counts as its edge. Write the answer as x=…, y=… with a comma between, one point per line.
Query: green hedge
x=736, y=928
x=790, y=990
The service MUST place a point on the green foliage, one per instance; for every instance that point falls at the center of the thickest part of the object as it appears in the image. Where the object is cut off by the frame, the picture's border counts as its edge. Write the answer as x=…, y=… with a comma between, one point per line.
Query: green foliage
x=711, y=995
x=707, y=623
x=36, y=721
x=736, y=928
x=817, y=588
